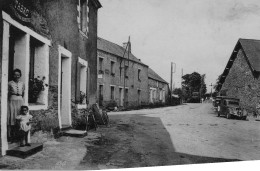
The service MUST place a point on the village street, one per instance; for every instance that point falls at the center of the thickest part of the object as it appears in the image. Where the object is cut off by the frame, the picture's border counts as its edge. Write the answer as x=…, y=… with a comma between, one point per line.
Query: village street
x=184, y=134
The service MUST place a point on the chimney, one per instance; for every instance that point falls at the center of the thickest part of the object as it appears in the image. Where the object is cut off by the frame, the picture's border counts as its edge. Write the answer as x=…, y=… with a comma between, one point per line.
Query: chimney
x=129, y=46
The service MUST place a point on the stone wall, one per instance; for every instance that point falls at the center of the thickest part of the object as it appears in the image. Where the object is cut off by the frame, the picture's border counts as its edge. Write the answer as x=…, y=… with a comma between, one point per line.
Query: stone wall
x=240, y=83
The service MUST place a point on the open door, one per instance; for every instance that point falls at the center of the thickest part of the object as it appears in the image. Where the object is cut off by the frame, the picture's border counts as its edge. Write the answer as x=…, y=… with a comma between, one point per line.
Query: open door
x=64, y=89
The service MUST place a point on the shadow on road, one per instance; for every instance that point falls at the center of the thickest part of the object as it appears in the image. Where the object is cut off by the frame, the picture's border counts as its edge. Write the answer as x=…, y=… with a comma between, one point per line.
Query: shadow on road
x=137, y=140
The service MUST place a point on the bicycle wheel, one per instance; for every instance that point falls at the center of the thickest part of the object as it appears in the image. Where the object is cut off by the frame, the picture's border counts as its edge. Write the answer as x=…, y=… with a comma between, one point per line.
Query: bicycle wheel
x=105, y=118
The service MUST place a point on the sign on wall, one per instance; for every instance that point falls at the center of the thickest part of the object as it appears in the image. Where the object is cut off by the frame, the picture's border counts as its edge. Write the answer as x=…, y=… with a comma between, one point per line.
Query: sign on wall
x=21, y=9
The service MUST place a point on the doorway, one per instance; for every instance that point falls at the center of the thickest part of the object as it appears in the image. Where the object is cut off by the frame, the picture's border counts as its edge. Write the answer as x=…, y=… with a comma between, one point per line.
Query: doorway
x=64, y=88
x=121, y=97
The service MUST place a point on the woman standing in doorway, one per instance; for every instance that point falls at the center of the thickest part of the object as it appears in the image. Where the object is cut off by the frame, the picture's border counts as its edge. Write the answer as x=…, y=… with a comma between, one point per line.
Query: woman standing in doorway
x=15, y=101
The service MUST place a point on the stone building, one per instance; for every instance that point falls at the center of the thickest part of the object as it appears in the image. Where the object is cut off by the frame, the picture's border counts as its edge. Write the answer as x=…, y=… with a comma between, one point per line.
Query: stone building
x=158, y=88
x=240, y=78
x=111, y=78
x=56, y=40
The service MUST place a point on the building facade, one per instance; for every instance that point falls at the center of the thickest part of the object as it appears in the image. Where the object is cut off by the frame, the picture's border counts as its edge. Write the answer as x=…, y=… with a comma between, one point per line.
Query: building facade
x=121, y=79
x=51, y=40
x=158, y=88
x=240, y=78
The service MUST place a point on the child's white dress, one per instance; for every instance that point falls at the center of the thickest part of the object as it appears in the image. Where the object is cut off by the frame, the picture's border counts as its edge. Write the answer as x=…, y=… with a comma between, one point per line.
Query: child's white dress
x=24, y=119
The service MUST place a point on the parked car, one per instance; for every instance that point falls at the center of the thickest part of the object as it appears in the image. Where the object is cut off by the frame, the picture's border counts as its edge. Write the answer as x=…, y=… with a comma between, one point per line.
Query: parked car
x=229, y=107
x=216, y=102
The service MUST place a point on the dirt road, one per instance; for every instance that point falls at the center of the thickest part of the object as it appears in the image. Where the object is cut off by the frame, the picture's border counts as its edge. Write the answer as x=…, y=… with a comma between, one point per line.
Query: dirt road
x=185, y=134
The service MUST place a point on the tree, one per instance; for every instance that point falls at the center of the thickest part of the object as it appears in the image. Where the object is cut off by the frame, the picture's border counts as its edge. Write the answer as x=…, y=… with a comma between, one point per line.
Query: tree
x=193, y=82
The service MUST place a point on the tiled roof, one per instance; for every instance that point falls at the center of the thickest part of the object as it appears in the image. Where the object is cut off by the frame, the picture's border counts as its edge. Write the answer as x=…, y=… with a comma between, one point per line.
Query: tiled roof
x=251, y=48
x=252, y=51
x=115, y=49
x=155, y=76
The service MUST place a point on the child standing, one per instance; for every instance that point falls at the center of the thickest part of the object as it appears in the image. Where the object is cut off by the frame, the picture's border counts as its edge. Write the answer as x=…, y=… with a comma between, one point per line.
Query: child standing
x=24, y=123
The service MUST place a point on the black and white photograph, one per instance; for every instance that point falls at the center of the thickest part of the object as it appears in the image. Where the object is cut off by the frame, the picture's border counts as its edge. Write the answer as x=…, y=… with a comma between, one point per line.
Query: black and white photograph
x=129, y=84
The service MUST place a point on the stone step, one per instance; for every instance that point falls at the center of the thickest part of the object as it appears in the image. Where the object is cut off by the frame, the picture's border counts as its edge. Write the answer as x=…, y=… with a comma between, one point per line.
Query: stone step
x=75, y=133
x=65, y=127
x=25, y=151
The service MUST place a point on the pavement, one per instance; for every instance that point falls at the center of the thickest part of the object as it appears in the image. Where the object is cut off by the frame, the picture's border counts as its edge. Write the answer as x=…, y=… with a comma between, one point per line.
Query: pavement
x=179, y=135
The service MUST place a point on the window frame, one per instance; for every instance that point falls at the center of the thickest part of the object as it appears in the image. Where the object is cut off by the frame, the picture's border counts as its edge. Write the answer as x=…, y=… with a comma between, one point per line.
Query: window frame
x=85, y=64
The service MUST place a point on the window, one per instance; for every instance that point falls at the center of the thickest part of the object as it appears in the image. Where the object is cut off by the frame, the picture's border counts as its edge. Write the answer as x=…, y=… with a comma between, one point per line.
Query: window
x=100, y=95
x=37, y=73
x=126, y=71
x=139, y=74
x=101, y=71
x=112, y=93
x=83, y=16
x=126, y=97
x=112, y=68
x=83, y=81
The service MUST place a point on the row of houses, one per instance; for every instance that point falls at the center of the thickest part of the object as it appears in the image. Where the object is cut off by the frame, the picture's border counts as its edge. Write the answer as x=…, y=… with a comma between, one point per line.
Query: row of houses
x=125, y=79
x=56, y=41
x=240, y=78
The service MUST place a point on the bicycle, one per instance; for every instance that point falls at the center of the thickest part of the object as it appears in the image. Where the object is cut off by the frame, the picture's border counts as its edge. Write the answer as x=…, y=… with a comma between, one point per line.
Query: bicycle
x=90, y=119
x=101, y=115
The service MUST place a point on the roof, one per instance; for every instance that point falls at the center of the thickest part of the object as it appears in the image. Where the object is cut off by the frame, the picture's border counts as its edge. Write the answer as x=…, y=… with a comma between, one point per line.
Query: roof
x=97, y=3
x=115, y=49
x=152, y=74
x=251, y=49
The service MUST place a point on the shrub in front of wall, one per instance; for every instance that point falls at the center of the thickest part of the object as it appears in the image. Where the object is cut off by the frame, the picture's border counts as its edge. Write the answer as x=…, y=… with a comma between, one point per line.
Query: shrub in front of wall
x=44, y=120
x=79, y=119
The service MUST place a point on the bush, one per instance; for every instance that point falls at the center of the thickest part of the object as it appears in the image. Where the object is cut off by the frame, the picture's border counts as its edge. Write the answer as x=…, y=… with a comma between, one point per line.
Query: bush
x=111, y=105
x=45, y=121
x=79, y=119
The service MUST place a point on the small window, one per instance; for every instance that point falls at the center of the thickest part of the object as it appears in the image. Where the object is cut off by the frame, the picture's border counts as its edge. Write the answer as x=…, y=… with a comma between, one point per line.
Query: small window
x=112, y=68
x=112, y=95
x=126, y=71
x=139, y=74
x=84, y=16
x=101, y=70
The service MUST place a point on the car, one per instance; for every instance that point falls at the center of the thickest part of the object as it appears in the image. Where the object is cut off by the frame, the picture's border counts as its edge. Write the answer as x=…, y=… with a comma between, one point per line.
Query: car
x=216, y=102
x=229, y=107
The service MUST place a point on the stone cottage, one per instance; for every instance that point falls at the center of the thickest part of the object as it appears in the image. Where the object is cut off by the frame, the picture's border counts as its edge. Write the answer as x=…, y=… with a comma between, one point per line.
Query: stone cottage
x=55, y=40
x=240, y=78
x=118, y=74
x=158, y=88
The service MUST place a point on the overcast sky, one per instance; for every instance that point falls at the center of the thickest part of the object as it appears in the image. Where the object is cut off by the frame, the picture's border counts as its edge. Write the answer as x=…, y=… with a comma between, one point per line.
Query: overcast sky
x=197, y=35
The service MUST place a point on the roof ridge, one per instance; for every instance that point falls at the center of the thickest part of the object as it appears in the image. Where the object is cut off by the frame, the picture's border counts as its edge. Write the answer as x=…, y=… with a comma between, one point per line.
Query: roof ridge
x=248, y=39
x=112, y=42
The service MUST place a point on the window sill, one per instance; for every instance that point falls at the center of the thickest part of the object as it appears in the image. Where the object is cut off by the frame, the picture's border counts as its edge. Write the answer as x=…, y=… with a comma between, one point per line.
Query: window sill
x=83, y=34
x=82, y=106
x=37, y=106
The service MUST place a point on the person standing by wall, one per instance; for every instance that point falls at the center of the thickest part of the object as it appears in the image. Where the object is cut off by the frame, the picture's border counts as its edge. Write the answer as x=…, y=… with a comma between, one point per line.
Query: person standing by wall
x=15, y=101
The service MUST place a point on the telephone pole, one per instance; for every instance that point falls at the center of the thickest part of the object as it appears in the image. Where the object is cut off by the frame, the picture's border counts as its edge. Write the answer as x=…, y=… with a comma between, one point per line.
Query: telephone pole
x=171, y=77
x=126, y=49
x=211, y=90
x=181, y=86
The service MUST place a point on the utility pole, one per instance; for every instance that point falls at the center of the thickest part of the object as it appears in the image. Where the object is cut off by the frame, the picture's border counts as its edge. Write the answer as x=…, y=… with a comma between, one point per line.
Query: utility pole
x=171, y=77
x=211, y=90
x=126, y=48
x=181, y=86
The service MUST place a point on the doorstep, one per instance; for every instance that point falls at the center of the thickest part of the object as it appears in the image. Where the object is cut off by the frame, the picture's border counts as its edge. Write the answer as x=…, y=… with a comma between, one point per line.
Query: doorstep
x=25, y=151
x=75, y=133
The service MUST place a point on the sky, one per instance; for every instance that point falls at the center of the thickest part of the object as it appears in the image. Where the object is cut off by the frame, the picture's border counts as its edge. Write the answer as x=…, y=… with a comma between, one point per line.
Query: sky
x=196, y=35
